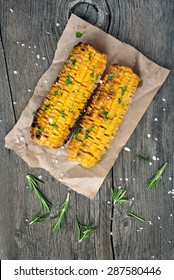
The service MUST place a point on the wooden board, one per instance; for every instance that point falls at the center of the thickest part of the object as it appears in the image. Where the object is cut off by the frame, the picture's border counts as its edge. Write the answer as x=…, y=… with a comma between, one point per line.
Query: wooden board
x=32, y=28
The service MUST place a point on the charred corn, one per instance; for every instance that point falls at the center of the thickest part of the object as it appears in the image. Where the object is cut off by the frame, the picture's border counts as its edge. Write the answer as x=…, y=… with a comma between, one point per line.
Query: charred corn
x=104, y=116
x=68, y=96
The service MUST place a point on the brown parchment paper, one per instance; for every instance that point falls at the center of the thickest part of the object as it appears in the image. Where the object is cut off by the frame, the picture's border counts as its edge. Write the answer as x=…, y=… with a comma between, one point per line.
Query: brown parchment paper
x=71, y=174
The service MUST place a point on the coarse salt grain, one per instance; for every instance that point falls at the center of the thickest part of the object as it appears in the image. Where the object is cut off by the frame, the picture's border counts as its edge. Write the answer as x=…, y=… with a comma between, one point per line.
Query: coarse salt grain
x=17, y=42
x=45, y=81
x=150, y=223
x=171, y=215
x=164, y=99
x=133, y=179
x=109, y=202
x=36, y=64
x=29, y=90
x=171, y=192
x=58, y=152
x=110, y=233
x=150, y=163
x=164, y=109
x=126, y=179
x=38, y=56
x=57, y=24
x=100, y=81
x=29, y=47
x=170, y=241
x=155, y=119
x=154, y=157
x=11, y=10
x=14, y=102
x=156, y=139
x=34, y=47
x=148, y=135
x=127, y=149
x=22, y=45
x=40, y=176
x=48, y=33
x=15, y=72
x=43, y=58
x=159, y=218
x=26, y=220
x=157, y=158
x=170, y=178
x=21, y=138
x=17, y=141
x=121, y=179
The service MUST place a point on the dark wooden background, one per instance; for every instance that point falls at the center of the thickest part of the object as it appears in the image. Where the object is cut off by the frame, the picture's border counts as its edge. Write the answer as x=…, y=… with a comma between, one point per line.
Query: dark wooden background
x=31, y=27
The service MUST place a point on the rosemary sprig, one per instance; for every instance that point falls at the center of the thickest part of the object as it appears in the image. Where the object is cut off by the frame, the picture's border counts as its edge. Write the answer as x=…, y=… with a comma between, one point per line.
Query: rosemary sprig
x=118, y=196
x=39, y=218
x=61, y=214
x=153, y=183
x=33, y=181
x=144, y=158
x=130, y=214
x=84, y=231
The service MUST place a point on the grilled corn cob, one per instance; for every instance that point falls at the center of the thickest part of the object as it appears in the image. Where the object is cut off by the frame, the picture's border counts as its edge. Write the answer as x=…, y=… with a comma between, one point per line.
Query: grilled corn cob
x=68, y=96
x=104, y=116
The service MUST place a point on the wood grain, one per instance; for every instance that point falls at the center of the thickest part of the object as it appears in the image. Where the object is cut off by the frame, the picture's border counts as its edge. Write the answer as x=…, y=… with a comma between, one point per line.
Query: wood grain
x=29, y=28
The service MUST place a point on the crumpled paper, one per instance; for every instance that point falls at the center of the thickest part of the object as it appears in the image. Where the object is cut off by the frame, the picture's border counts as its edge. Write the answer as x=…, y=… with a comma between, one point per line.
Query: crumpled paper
x=71, y=174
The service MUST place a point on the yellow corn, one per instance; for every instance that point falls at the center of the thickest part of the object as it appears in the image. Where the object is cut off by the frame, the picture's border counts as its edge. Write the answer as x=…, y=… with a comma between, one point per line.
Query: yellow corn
x=68, y=96
x=104, y=116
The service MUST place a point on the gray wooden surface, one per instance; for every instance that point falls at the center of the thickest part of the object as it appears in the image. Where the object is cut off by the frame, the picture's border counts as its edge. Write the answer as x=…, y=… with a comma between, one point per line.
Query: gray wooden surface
x=148, y=26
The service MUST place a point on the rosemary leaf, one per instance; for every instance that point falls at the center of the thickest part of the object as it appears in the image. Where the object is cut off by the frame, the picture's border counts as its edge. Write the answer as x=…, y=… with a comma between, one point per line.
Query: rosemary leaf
x=39, y=218
x=154, y=182
x=33, y=185
x=61, y=214
x=85, y=231
x=142, y=157
x=118, y=196
x=136, y=217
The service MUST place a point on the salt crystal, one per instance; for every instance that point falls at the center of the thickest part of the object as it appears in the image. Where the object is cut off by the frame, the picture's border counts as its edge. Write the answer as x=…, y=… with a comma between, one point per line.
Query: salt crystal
x=110, y=233
x=45, y=81
x=133, y=179
x=32, y=51
x=153, y=257
x=22, y=45
x=126, y=179
x=58, y=152
x=170, y=178
x=40, y=176
x=15, y=72
x=164, y=99
x=21, y=138
x=148, y=135
x=154, y=157
x=127, y=149
x=150, y=163
x=26, y=220
x=38, y=56
x=11, y=10
x=159, y=218
x=119, y=187
x=29, y=47
x=100, y=81
x=34, y=47
x=109, y=202
x=156, y=139
x=150, y=223
x=14, y=102
x=62, y=147
x=57, y=24
x=17, y=42
x=0, y=120
x=121, y=179
x=36, y=64
x=164, y=109
x=141, y=228
x=17, y=141
x=138, y=229
x=48, y=33
x=171, y=192
x=171, y=215
x=134, y=160
x=156, y=119
x=29, y=90
x=43, y=57
x=157, y=158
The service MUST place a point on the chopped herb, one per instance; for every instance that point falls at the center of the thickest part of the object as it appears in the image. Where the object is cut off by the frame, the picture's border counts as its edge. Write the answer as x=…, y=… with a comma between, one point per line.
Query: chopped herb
x=56, y=92
x=90, y=56
x=151, y=184
x=62, y=113
x=85, y=231
x=96, y=78
x=84, y=99
x=122, y=104
x=111, y=76
x=145, y=158
x=71, y=111
x=40, y=130
x=74, y=62
x=77, y=119
x=92, y=74
x=119, y=100
x=73, y=91
x=47, y=107
x=76, y=133
x=123, y=90
x=79, y=34
x=93, y=83
x=68, y=80
x=88, y=131
x=118, y=196
x=54, y=125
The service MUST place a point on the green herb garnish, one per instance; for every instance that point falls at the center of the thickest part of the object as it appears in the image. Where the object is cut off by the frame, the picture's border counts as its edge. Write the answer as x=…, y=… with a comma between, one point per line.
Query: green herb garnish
x=71, y=111
x=68, y=80
x=47, y=107
x=54, y=125
x=153, y=183
x=123, y=90
x=142, y=157
x=88, y=131
x=111, y=76
x=62, y=113
x=119, y=100
x=76, y=133
x=92, y=74
x=90, y=56
x=118, y=196
x=61, y=214
x=40, y=130
x=74, y=62
x=39, y=218
x=78, y=34
x=56, y=92
x=85, y=231
x=33, y=182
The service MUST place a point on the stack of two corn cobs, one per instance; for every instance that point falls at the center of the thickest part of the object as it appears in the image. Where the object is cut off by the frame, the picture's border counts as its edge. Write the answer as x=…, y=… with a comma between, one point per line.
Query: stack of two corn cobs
x=63, y=110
